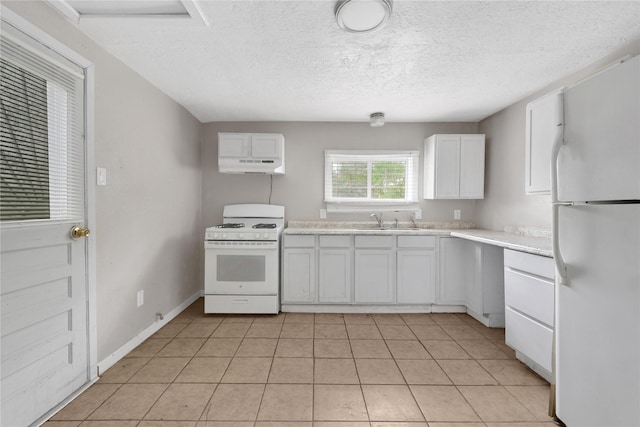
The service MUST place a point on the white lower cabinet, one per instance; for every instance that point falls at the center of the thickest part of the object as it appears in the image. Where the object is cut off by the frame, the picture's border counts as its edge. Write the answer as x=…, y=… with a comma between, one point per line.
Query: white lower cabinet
x=374, y=271
x=416, y=269
x=529, y=299
x=299, y=269
x=455, y=271
x=471, y=275
x=334, y=269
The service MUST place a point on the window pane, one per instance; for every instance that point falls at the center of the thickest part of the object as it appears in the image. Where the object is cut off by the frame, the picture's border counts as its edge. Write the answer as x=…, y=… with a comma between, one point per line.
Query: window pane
x=24, y=145
x=388, y=180
x=349, y=179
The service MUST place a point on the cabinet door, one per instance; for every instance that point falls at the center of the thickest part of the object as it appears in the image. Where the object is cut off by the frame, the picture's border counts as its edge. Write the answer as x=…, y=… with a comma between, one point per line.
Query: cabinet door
x=447, y=167
x=456, y=270
x=416, y=276
x=472, y=166
x=541, y=126
x=374, y=276
x=299, y=276
x=334, y=275
x=472, y=259
x=233, y=144
x=266, y=145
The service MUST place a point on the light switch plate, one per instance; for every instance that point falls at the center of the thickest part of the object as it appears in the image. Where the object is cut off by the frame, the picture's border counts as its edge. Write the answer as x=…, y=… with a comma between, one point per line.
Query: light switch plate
x=456, y=214
x=417, y=214
x=323, y=214
x=140, y=298
x=101, y=176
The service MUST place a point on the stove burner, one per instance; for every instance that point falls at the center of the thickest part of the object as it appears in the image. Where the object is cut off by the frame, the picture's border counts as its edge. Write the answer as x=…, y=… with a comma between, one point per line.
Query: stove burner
x=231, y=225
x=261, y=225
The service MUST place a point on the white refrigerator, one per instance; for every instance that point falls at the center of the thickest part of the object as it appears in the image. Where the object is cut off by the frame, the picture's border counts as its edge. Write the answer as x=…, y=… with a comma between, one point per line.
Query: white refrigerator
x=596, y=212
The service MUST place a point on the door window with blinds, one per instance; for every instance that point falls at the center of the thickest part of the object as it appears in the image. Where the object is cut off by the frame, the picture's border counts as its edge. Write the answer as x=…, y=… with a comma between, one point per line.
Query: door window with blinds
x=364, y=177
x=41, y=138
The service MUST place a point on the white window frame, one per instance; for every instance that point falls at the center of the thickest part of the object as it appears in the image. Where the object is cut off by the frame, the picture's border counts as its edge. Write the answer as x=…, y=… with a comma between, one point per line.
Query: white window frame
x=410, y=202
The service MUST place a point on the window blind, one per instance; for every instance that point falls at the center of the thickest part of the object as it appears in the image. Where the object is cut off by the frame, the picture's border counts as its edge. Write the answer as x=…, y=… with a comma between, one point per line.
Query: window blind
x=371, y=177
x=41, y=132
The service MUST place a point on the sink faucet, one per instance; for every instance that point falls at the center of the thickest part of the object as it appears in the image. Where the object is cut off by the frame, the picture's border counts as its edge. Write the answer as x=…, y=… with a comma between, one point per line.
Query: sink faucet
x=378, y=218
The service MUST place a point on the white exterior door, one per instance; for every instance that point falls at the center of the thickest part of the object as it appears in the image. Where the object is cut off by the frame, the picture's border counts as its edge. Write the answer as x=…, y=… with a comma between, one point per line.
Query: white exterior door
x=44, y=285
x=44, y=320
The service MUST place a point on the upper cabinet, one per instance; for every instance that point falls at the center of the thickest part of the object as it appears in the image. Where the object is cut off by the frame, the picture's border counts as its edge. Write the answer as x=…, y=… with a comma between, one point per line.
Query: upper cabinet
x=251, y=153
x=454, y=166
x=541, y=125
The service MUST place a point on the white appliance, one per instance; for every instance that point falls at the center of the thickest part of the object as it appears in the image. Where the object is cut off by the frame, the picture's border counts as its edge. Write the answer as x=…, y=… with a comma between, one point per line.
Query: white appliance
x=596, y=229
x=242, y=260
x=260, y=153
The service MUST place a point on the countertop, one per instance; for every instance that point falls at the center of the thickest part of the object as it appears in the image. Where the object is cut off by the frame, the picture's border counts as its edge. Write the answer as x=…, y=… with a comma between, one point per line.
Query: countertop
x=533, y=241
x=524, y=243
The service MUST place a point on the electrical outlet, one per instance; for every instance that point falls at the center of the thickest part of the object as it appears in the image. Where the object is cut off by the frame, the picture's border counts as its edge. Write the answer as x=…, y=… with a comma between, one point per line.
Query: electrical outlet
x=456, y=214
x=417, y=214
x=323, y=214
x=140, y=298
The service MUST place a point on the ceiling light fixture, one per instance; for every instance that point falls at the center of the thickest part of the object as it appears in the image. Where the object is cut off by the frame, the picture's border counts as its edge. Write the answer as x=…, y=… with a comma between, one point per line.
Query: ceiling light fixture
x=376, y=120
x=363, y=16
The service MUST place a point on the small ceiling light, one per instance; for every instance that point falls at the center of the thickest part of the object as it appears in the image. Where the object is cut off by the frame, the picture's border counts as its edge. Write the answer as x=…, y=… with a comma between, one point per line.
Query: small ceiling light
x=376, y=120
x=363, y=16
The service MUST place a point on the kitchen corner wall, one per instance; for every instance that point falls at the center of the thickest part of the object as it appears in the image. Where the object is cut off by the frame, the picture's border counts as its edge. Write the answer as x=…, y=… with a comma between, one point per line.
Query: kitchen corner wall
x=301, y=189
x=148, y=226
x=505, y=202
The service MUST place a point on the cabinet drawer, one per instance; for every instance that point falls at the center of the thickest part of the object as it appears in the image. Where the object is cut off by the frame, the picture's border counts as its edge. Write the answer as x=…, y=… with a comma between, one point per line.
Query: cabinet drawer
x=374, y=241
x=416, y=241
x=529, y=338
x=299, y=241
x=531, y=295
x=534, y=264
x=335, y=241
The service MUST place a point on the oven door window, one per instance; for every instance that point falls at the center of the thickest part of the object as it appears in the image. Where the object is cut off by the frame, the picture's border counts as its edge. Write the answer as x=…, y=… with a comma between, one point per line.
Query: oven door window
x=240, y=268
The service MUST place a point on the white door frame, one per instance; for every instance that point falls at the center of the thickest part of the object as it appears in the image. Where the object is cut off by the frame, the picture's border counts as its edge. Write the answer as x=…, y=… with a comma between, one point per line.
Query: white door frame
x=90, y=172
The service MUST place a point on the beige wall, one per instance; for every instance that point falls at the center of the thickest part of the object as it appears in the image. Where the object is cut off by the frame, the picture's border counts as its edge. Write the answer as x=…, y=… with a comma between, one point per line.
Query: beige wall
x=505, y=202
x=301, y=189
x=149, y=229
x=163, y=185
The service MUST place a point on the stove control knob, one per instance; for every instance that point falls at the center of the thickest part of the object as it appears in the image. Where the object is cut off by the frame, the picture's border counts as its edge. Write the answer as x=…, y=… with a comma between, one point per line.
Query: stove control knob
x=224, y=235
x=266, y=235
x=240, y=236
x=257, y=235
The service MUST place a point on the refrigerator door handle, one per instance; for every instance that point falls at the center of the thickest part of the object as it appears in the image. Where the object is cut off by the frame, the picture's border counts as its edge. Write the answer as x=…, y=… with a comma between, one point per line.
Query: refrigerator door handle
x=558, y=143
x=561, y=267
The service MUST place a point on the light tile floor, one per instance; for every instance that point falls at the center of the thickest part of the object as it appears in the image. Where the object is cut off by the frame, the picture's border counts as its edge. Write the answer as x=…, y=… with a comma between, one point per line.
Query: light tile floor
x=315, y=370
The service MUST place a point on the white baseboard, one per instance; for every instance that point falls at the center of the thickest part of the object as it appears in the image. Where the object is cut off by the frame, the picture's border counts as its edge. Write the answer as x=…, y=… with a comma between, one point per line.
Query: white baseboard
x=351, y=308
x=114, y=357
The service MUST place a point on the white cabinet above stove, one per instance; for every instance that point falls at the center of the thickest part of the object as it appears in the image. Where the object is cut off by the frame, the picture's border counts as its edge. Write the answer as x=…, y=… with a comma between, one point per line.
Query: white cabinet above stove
x=251, y=153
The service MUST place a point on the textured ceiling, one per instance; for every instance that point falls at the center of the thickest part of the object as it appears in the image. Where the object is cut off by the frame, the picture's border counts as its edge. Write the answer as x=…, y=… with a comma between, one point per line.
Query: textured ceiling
x=433, y=61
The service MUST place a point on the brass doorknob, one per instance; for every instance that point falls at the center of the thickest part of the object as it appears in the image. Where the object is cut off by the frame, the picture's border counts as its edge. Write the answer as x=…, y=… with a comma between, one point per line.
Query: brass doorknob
x=77, y=232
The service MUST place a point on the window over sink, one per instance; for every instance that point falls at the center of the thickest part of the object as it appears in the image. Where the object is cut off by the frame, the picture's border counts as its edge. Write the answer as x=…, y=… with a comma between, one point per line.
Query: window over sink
x=360, y=178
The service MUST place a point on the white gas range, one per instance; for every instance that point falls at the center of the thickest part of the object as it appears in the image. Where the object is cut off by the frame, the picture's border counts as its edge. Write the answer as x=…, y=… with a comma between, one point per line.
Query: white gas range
x=242, y=260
